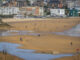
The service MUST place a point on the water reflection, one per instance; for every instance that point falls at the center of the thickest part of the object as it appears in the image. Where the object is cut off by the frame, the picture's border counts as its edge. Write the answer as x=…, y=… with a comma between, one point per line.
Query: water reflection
x=17, y=32
x=27, y=54
x=75, y=31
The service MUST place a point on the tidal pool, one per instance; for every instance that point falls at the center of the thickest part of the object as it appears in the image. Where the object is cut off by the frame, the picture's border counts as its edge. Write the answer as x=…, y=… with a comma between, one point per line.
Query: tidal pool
x=27, y=54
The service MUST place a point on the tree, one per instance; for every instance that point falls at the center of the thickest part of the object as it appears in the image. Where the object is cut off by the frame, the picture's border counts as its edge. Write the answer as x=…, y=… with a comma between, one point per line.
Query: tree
x=28, y=2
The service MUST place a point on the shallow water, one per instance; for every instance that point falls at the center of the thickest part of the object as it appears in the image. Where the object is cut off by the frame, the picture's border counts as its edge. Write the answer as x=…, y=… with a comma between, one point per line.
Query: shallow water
x=17, y=32
x=27, y=54
x=75, y=31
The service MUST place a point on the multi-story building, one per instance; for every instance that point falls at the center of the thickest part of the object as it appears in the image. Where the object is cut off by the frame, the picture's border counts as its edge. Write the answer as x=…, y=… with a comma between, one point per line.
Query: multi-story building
x=21, y=3
x=16, y=3
x=9, y=10
x=72, y=3
x=33, y=11
x=0, y=2
x=32, y=1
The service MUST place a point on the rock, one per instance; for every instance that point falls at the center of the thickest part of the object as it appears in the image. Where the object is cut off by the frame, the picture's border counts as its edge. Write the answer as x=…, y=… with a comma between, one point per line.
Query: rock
x=55, y=52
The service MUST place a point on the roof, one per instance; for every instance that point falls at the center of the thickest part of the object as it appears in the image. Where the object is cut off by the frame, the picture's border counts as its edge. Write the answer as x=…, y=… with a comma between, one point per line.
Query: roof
x=21, y=0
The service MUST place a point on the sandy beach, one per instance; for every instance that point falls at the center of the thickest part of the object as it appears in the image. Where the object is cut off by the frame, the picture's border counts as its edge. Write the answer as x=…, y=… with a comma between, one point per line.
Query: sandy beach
x=46, y=43
x=8, y=57
x=46, y=25
x=77, y=57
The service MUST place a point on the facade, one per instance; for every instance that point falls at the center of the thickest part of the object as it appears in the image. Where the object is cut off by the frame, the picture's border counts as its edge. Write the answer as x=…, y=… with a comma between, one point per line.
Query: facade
x=77, y=3
x=33, y=11
x=0, y=2
x=70, y=4
x=57, y=12
x=21, y=3
x=32, y=1
x=38, y=7
x=9, y=10
x=73, y=13
x=15, y=3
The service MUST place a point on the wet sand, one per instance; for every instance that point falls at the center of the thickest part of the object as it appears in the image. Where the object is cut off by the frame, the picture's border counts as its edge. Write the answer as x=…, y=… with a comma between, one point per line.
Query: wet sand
x=77, y=57
x=8, y=57
x=53, y=44
x=46, y=25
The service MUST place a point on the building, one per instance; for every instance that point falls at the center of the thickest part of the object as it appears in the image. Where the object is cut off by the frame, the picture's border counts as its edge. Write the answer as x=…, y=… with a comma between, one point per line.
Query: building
x=9, y=10
x=16, y=3
x=73, y=13
x=32, y=2
x=0, y=2
x=72, y=3
x=57, y=12
x=33, y=11
x=78, y=8
x=77, y=3
x=21, y=3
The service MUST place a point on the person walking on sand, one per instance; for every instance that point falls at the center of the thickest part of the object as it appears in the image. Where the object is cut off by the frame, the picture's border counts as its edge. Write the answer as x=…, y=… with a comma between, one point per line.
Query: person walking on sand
x=21, y=39
x=71, y=43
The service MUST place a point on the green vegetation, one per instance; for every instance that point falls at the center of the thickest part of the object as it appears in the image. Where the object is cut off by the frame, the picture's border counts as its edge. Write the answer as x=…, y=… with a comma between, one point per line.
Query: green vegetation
x=28, y=2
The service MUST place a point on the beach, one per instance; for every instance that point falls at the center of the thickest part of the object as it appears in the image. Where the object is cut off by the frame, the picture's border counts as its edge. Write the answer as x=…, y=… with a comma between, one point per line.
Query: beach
x=8, y=57
x=47, y=42
x=77, y=57
x=43, y=25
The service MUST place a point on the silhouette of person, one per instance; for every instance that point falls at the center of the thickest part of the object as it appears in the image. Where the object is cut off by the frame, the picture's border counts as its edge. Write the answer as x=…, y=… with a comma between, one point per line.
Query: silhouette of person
x=71, y=43
x=21, y=39
x=4, y=52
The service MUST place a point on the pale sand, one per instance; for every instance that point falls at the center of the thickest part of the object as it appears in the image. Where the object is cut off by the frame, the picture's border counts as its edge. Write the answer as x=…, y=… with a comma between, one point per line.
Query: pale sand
x=8, y=57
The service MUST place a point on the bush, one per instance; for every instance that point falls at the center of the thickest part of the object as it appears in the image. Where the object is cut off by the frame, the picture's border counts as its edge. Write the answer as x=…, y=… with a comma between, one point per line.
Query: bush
x=6, y=16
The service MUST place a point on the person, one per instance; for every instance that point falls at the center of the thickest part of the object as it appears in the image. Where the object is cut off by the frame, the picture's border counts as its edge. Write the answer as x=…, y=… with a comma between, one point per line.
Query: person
x=77, y=50
x=39, y=35
x=71, y=43
x=21, y=39
x=4, y=52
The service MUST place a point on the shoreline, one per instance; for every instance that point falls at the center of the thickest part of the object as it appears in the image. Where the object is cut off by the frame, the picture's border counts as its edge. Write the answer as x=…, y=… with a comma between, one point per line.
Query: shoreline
x=75, y=57
x=9, y=20
x=8, y=57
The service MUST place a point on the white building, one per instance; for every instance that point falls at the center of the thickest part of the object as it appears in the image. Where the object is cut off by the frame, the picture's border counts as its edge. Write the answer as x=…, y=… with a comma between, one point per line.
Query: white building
x=34, y=11
x=70, y=4
x=8, y=10
x=32, y=1
x=57, y=12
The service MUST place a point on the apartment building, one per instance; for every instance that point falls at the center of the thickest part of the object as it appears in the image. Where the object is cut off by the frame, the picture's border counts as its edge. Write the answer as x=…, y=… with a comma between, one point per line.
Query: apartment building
x=9, y=10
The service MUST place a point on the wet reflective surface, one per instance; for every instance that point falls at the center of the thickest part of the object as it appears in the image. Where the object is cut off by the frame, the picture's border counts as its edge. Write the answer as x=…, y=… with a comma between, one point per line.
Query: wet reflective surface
x=17, y=32
x=75, y=31
x=27, y=54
